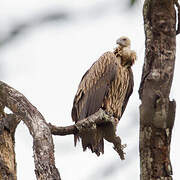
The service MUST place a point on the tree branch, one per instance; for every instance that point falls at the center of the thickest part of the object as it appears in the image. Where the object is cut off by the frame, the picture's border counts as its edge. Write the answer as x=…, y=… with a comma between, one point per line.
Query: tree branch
x=100, y=118
x=63, y=131
x=43, y=147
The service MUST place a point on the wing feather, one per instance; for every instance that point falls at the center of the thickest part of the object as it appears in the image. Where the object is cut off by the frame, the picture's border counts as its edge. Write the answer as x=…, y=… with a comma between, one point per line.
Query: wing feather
x=129, y=90
x=94, y=86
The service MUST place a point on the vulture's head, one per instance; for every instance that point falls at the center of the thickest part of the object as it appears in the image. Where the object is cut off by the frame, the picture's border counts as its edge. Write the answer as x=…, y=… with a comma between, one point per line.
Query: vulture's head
x=123, y=41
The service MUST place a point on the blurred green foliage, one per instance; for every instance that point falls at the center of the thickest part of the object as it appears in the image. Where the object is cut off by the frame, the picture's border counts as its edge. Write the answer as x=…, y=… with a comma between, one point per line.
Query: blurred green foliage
x=132, y=2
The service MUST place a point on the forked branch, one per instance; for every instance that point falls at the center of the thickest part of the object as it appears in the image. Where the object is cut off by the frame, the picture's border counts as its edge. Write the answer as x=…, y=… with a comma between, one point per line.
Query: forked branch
x=43, y=147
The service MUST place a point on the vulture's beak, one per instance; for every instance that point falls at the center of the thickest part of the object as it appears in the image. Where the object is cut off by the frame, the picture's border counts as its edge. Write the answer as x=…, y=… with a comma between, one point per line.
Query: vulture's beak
x=119, y=41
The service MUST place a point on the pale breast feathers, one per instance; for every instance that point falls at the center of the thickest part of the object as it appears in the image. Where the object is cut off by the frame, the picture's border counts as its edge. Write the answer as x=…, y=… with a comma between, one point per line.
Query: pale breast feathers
x=94, y=86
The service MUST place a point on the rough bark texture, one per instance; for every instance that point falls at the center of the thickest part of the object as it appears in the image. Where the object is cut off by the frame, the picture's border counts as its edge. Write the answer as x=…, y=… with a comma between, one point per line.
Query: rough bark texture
x=157, y=112
x=43, y=147
x=8, y=125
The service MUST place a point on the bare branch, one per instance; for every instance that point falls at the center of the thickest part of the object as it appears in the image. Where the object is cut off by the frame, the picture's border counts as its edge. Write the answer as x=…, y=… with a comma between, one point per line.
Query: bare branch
x=62, y=131
x=43, y=147
x=100, y=118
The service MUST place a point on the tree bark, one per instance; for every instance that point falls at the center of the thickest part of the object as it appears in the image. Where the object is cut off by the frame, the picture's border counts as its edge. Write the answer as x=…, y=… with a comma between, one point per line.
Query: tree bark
x=157, y=112
x=43, y=147
x=7, y=154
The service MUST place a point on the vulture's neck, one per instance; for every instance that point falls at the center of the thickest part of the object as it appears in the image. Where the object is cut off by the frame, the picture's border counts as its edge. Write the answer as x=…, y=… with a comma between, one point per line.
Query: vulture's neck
x=119, y=50
x=125, y=61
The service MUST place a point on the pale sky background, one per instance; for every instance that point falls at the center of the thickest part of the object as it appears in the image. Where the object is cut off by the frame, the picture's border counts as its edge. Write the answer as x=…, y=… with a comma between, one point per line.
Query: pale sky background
x=46, y=64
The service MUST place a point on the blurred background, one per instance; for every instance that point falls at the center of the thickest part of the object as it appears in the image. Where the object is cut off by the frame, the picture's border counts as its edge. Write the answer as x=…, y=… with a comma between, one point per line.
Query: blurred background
x=45, y=48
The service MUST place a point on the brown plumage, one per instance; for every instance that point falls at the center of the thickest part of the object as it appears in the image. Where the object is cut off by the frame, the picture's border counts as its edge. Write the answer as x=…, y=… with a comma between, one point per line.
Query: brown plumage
x=108, y=84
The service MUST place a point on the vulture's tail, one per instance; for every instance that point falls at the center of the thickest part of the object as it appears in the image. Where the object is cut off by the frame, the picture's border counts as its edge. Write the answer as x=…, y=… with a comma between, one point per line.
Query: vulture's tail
x=93, y=140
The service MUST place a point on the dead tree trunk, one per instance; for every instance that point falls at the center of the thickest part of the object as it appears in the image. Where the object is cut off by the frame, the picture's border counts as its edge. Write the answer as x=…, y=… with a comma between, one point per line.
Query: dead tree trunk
x=7, y=155
x=157, y=112
x=43, y=147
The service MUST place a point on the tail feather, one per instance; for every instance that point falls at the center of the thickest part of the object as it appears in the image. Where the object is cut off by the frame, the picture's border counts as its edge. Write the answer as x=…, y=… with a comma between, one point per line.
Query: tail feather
x=92, y=140
x=76, y=138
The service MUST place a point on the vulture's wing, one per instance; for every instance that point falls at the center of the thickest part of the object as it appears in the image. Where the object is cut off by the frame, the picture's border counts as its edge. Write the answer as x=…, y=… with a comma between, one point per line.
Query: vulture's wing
x=94, y=86
x=129, y=90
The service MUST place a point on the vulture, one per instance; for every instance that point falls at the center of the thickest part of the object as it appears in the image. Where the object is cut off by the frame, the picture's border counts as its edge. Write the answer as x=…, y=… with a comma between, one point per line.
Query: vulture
x=108, y=84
